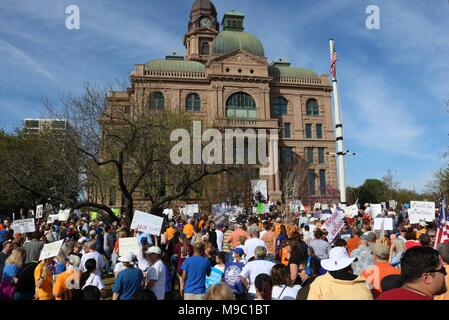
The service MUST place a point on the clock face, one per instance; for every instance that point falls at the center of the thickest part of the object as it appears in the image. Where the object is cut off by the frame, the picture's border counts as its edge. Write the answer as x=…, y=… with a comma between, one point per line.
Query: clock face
x=205, y=22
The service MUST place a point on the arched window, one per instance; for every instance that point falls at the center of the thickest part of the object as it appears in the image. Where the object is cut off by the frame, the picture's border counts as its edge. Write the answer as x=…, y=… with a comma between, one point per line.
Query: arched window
x=193, y=102
x=205, y=48
x=157, y=101
x=241, y=105
x=312, y=108
x=280, y=106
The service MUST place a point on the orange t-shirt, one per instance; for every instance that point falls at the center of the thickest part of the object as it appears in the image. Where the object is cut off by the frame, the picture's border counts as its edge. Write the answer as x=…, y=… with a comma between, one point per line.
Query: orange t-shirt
x=277, y=229
x=353, y=243
x=235, y=235
x=60, y=283
x=46, y=291
x=188, y=230
x=284, y=260
x=376, y=273
x=170, y=232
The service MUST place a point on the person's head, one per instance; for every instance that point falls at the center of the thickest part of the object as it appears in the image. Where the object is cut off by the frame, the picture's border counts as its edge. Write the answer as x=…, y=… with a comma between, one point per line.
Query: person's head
x=381, y=252
x=182, y=237
x=280, y=275
x=91, y=245
x=371, y=237
x=338, y=260
x=91, y=293
x=307, y=228
x=242, y=240
x=423, y=268
x=90, y=265
x=254, y=233
x=220, y=258
x=127, y=259
x=17, y=257
x=154, y=254
x=238, y=254
x=198, y=249
x=123, y=234
x=73, y=262
x=309, y=267
x=318, y=234
x=219, y=291
x=340, y=243
x=443, y=249
x=391, y=281
x=432, y=235
x=7, y=247
x=424, y=239
x=264, y=286
x=410, y=234
x=260, y=252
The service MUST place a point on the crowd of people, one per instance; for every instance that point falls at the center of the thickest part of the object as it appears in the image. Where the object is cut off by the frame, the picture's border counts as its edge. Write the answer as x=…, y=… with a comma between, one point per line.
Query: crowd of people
x=280, y=255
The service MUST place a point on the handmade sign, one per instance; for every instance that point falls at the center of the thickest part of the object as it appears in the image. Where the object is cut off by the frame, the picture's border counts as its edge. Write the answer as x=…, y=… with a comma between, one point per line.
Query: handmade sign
x=63, y=215
x=51, y=250
x=191, y=209
x=376, y=209
x=126, y=245
x=388, y=223
x=421, y=210
x=52, y=218
x=39, y=211
x=214, y=277
x=259, y=186
x=392, y=204
x=23, y=226
x=317, y=206
x=93, y=215
x=219, y=219
x=351, y=211
x=169, y=213
x=146, y=222
x=333, y=225
x=116, y=211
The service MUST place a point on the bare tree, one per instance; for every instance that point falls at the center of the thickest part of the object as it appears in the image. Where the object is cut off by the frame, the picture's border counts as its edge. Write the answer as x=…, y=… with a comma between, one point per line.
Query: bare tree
x=294, y=179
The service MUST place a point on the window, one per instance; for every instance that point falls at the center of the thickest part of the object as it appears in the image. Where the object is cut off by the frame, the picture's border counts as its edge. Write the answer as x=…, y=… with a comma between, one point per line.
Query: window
x=157, y=101
x=319, y=131
x=309, y=155
x=321, y=155
x=287, y=131
x=312, y=108
x=280, y=106
x=323, y=182
x=286, y=155
x=205, y=48
x=241, y=105
x=308, y=131
x=193, y=102
x=311, y=182
x=112, y=199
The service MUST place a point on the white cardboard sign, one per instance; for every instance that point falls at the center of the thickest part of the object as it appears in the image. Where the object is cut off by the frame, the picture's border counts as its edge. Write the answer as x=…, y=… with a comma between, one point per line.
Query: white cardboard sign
x=388, y=223
x=39, y=211
x=23, y=226
x=52, y=218
x=191, y=209
x=376, y=209
x=169, y=213
x=351, y=211
x=51, y=250
x=421, y=210
x=146, y=222
x=126, y=245
x=333, y=225
x=259, y=186
x=63, y=215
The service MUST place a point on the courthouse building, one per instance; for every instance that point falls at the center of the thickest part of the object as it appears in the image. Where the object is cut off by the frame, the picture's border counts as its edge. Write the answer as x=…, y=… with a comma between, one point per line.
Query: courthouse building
x=226, y=77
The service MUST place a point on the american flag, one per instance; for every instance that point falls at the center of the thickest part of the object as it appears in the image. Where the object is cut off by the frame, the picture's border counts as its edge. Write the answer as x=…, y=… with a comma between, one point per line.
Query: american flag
x=442, y=224
x=334, y=64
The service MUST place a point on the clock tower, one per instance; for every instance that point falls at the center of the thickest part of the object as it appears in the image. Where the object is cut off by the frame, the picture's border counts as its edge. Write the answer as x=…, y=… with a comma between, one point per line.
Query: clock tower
x=202, y=29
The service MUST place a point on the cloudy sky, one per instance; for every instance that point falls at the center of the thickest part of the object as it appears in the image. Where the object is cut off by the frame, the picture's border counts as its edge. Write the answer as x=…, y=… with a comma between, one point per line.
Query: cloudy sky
x=393, y=81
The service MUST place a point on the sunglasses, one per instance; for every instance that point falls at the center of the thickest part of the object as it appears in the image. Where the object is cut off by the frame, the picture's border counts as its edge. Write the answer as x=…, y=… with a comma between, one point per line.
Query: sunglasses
x=442, y=270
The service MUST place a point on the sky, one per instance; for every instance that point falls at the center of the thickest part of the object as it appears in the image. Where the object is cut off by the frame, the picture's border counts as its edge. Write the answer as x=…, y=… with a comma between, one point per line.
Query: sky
x=393, y=81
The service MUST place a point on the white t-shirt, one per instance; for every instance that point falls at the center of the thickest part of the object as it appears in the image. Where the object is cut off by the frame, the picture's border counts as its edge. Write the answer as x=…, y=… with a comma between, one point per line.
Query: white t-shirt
x=251, y=270
x=262, y=233
x=95, y=281
x=251, y=245
x=284, y=293
x=219, y=240
x=92, y=255
x=157, y=272
x=119, y=267
x=142, y=262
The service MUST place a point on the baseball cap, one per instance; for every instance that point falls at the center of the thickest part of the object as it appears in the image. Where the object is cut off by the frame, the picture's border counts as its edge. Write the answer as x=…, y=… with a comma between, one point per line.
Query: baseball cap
x=154, y=249
x=128, y=257
x=239, y=251
x=182, y=236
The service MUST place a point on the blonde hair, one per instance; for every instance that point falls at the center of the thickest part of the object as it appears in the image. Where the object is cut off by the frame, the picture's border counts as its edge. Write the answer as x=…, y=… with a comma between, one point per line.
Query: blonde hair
x=17, y=257
x=219, y=292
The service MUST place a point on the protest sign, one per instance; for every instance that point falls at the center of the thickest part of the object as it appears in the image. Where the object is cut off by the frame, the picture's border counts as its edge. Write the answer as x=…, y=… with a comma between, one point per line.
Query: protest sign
x=116, y=211
x=146, y=222
x=325, y=216
x=392, y=204
x=259, y=186
x=23, y=226
x=39, y=211
x=219, y=219
x=324, y=206
x=422, y=210
x=214, y=277
x=63, y=215
x=191, y=209
x=351, y=211
x=51, y=250
x=260, y=208
x=333, y=225
x=316, y=206
x=52, y=218
x=376, y=209
x=169, y=213
x=126, y=245
x=388, y=223
x=93, y=215
x=266, y=208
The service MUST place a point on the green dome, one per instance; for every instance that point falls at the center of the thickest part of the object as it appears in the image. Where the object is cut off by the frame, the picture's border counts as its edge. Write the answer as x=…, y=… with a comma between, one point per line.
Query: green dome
x=175, y=65
x=286, y=71
x=228, y=41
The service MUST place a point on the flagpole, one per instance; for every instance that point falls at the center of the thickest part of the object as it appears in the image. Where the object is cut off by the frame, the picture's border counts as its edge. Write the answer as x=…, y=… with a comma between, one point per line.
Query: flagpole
x=338, y=133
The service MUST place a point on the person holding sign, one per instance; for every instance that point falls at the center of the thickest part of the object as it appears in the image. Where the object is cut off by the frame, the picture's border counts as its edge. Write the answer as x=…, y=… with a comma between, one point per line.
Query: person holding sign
x=43, y=275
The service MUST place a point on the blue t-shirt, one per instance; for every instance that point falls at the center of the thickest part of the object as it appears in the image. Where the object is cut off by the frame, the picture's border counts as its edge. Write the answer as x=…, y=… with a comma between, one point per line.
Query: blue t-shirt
x=3, y=234
x=127, y=284
x=232, y=276
x=10, y=271
x=60, y=268
x=197, y=269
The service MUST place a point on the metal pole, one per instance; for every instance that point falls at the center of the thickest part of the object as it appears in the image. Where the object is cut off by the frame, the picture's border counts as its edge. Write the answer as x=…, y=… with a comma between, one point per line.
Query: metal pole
x=338, y=134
